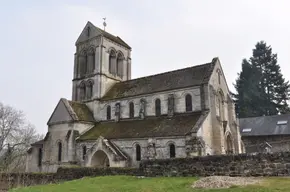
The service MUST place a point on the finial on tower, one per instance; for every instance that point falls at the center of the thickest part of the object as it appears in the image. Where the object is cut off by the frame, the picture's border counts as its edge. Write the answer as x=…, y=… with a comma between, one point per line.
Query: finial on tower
x=104, y=23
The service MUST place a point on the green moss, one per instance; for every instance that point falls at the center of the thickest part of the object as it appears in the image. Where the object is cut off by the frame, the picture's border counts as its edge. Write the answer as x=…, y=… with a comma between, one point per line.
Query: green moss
x=82, y=111
x=150, y=127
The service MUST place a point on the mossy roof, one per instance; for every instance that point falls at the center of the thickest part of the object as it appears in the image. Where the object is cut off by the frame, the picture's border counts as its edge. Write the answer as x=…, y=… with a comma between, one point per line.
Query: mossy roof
x=182, y=78
x=178, y=125
x=82, y=111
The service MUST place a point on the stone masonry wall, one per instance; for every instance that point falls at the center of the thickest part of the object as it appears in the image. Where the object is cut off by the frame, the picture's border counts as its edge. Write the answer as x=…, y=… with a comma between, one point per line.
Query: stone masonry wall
x=277, y=164
x=179, y=96
x=128, y=146
x=256, y=144
x=12, y=180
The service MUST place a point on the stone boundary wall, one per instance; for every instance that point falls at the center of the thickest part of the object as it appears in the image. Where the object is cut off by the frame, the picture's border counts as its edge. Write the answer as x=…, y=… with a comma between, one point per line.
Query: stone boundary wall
x=12, y=180
x=277, y=164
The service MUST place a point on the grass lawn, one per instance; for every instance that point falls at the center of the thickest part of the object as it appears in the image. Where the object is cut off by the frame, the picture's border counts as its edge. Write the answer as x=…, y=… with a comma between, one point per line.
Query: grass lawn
x=166, y=184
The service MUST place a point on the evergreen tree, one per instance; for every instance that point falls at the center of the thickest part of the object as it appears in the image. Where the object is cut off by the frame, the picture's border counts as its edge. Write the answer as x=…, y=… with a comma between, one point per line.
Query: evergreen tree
x=261, y=88
x=247, y=88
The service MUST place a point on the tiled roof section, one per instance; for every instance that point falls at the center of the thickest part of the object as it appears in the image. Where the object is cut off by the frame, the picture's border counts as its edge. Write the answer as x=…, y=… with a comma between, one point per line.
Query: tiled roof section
x=112, y=37
x=179, y=125
x=115, y=38
x=265, y=125
x=182, y=78
x=82, y=111
x=40, y=142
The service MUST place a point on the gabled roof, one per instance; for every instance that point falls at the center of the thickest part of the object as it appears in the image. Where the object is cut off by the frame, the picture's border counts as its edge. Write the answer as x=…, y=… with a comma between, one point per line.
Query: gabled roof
x=68, y=111
x=182, y=78
x=97, y=31
x=83, y=113
x=265, y=125
x=178, y=125
x=40, y=142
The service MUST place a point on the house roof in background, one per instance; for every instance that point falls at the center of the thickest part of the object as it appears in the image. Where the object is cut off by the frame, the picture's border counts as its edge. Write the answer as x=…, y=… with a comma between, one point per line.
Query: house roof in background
x=265, y=125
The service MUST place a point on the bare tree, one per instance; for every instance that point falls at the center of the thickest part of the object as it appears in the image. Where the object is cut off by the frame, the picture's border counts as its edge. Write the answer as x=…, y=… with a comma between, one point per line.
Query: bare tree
x=16, y=134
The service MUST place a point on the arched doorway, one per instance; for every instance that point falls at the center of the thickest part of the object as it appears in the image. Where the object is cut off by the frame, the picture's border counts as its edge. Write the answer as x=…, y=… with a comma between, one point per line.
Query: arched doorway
x=100, y=159
x=230, y=149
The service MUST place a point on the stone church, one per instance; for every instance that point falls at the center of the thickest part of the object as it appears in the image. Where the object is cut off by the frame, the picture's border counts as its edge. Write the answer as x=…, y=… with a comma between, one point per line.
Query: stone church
x=113, y=120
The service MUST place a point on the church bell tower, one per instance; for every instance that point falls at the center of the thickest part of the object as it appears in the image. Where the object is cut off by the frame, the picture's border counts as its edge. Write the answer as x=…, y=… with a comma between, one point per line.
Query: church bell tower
x=101, y=60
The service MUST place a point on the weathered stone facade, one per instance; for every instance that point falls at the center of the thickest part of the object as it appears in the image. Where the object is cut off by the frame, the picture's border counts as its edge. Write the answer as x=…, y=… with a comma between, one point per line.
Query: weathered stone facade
x=117, y=121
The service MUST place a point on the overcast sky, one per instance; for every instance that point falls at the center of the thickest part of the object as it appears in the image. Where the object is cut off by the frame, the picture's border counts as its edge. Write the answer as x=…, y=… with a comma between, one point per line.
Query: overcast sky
x=37, y=41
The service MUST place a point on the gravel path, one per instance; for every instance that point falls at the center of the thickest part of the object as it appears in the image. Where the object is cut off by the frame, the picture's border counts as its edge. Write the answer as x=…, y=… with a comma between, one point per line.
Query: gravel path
x=224, y=182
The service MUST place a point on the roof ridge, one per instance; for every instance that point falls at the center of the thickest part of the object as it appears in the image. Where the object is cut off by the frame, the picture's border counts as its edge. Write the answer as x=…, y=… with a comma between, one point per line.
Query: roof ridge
x=163, y=73
x=76, y=102
x=265, y=116
x=70, y=109
x=210, y=69
x=107, y=35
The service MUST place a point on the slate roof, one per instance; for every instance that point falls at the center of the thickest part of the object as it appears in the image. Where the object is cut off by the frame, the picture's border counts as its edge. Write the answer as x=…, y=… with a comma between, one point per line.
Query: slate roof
x=77, y=111
x=265, y=125
x=178, y=125
x=40, y=142
x=182, y=78
x=114, y=38
x=82, y=111
x=111, y=36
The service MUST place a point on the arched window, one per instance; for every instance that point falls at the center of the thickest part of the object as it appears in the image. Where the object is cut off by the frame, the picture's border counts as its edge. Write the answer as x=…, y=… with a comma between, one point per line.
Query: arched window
x=157, y=107
x=120, y=65
x=39, y=157
x=86, y=67
x=138, y=152
x=82, y=91
x=93, y=62
x=89, y=90
x=108, y=112
x=84, y=152
x=59, y=151
x=82, y=63
x=188, y=102
x=131, y=110
x=88, y=31
x=172, y=150
x=112, y=62
x=219, y=73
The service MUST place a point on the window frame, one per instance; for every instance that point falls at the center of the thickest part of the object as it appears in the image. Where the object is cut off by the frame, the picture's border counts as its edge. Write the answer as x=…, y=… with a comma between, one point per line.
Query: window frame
x=188, y=103
x=138, y=152
x=157, y=107
x=109, y=112
x=59, y=155
x=172, y=150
